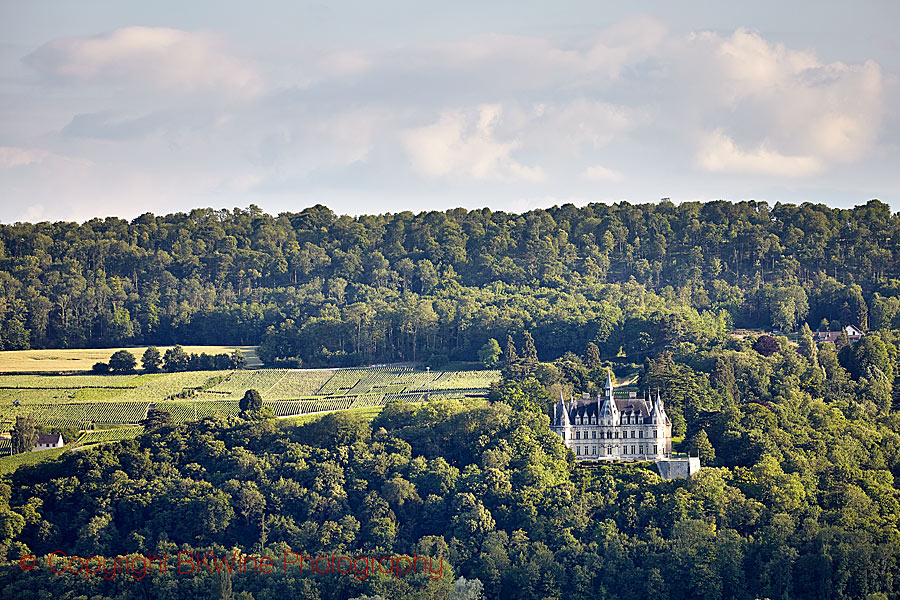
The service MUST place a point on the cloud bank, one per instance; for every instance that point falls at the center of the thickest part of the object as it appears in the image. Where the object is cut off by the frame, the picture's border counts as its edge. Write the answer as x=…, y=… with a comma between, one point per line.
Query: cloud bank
x=170, y=118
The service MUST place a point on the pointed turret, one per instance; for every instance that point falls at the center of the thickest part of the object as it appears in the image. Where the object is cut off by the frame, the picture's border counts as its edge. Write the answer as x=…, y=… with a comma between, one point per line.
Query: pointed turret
x=660, y=410
x=561, y=414
x=608, y=408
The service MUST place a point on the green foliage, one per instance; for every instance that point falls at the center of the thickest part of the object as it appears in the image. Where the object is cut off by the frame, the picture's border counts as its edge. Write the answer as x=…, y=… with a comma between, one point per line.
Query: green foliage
x=801, y=502
x=592, y=356
x=156, y=418
x=511, y=356
x=315, y=288
x=870, y=351
x=527, y=394
x=252, y=401
x=151, y=360
x=489, y=354
x=24, y=435
x=122, y=361
x=808, y=347
x=100, y=368
x=176, y=359
x=698, y=445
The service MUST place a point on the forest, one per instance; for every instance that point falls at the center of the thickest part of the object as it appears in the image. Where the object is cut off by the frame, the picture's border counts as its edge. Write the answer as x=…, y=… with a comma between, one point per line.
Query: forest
x=799, y=438
x=797, y=497
x=316, y=289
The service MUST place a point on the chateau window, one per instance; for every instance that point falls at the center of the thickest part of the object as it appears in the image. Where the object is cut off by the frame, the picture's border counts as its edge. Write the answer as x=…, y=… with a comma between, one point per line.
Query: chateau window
x=632, y=450
x=608, y=451
x=654, y=448
x=578, y=450
x=632, y=433
x=593, y=435
x=641, y=433
x=595, y=450
x=642, y=449
x=563, y=434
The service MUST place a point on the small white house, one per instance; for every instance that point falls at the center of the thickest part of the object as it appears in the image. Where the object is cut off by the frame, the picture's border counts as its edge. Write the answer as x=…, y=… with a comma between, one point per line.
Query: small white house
x=46, y=441
x=852, y=332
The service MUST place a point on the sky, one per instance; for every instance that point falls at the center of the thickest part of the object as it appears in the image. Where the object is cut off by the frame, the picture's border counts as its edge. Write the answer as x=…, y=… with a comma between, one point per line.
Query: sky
x=121, y=108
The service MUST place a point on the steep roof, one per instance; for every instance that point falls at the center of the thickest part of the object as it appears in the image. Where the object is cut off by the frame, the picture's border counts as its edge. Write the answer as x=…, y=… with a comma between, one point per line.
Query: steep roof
x=585, y=407
x=633, y=406
x=49, y=438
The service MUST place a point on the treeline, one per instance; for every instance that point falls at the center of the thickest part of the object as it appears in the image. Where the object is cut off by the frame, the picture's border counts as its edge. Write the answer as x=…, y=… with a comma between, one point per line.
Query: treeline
x=321, y=289
x=174, y=360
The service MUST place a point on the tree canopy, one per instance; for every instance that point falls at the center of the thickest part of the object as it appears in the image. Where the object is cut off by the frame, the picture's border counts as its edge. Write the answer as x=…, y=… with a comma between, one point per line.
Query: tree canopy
x=320, y=289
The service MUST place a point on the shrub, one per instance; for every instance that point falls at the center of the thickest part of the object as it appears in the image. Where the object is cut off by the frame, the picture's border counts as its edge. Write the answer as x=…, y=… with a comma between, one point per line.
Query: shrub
x=100, y=368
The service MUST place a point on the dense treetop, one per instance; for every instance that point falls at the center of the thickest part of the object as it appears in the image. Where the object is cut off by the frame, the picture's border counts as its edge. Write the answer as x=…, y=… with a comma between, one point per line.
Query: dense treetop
x=329, y=289
x=800, y=440
x=798, y=497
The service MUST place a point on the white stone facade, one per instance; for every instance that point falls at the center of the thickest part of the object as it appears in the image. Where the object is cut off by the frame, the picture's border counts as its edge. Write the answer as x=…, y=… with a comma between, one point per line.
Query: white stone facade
x=612, y=428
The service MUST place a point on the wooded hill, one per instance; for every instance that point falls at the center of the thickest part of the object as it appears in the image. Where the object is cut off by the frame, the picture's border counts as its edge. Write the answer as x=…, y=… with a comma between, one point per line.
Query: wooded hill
x=329, y=290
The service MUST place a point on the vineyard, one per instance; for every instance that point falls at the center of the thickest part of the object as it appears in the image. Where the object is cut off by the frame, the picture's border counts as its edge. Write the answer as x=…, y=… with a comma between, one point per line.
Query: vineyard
x=66, y=414
x=80, y=400
x=109, y=435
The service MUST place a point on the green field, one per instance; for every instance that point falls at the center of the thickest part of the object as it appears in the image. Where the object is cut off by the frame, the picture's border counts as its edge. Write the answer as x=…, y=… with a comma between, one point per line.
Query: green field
x=90, y=400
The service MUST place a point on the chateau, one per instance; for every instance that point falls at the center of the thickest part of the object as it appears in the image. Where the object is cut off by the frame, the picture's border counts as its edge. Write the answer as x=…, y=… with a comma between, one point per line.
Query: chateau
x=614, y=428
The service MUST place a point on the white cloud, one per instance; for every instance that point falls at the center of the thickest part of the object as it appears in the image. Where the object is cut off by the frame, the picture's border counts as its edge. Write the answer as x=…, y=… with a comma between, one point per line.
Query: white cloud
x=464, y=143
x=601, y=173
x=785, y=103
x=168, y=117
x=719, y=153
x=149, y=57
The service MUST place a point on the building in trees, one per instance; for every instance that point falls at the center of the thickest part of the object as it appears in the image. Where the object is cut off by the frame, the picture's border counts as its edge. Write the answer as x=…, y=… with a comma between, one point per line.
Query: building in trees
x=853, y=335
x=617, y=426
x=46, y=441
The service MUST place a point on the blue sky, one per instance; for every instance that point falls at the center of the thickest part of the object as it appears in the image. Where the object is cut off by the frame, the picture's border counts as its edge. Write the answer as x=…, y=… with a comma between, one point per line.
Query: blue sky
x=117, y=108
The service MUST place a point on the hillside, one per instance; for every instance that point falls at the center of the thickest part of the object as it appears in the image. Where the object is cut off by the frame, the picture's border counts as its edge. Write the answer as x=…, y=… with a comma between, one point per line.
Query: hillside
x=329, y=290
x=89, y=400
